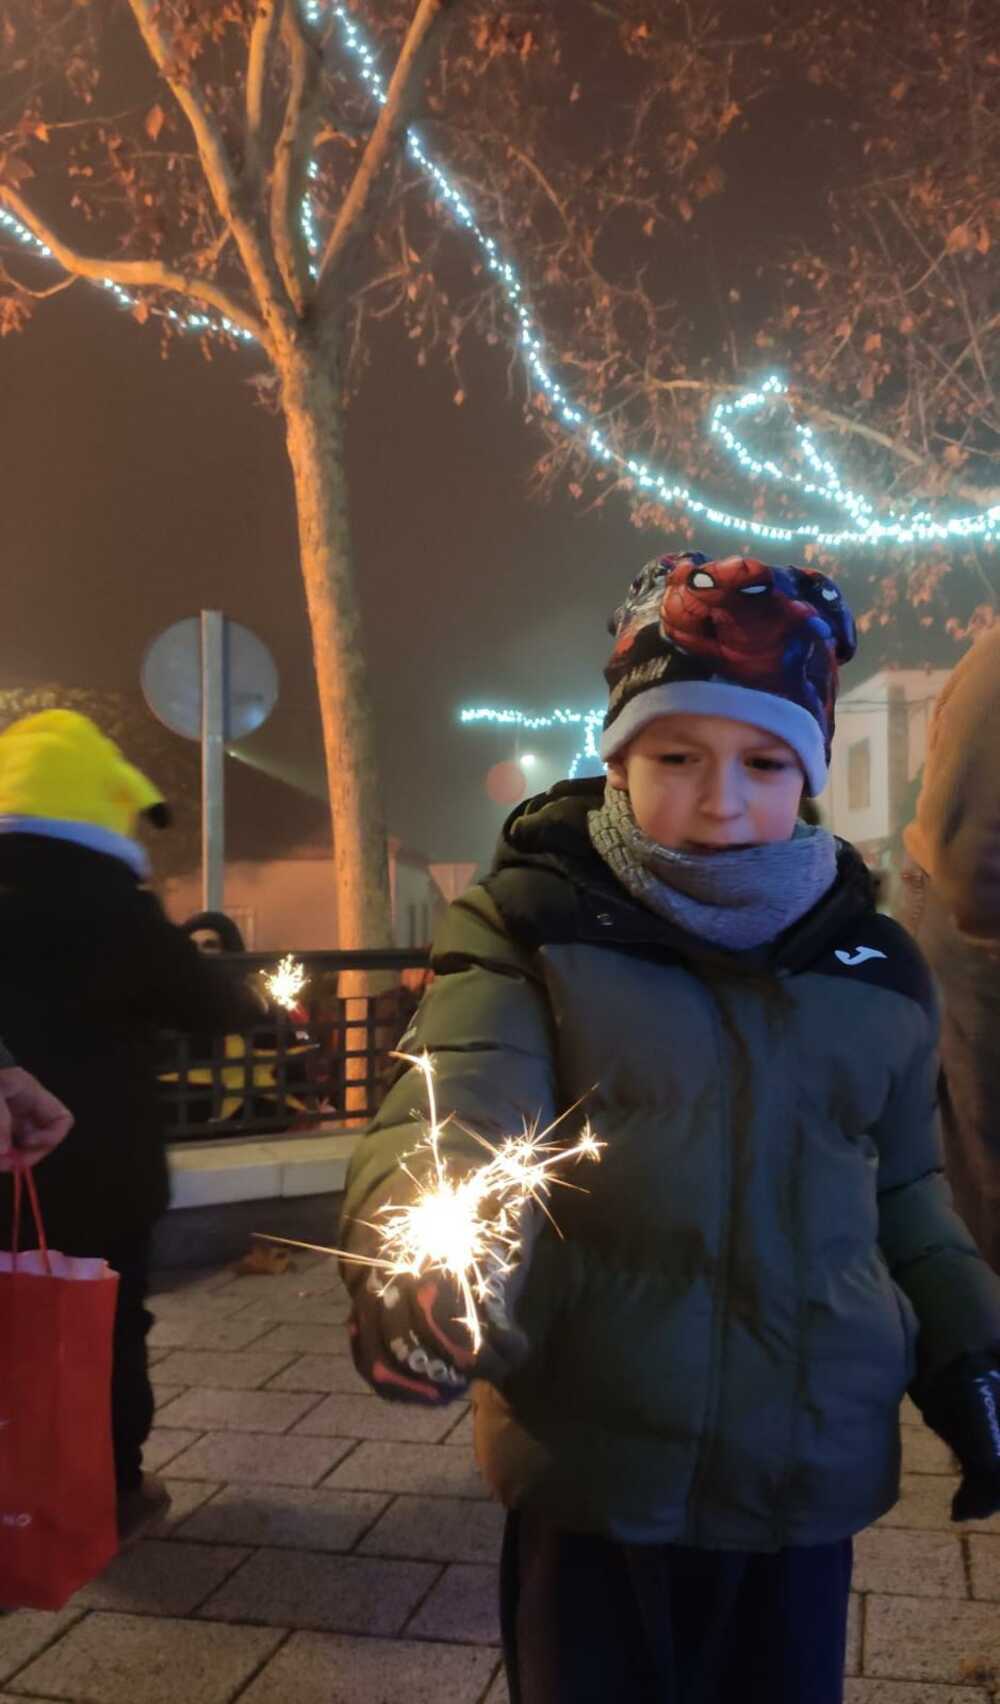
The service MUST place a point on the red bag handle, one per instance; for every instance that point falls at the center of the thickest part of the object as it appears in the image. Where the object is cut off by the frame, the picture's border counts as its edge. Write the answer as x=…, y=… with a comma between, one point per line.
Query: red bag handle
x=23, y=1179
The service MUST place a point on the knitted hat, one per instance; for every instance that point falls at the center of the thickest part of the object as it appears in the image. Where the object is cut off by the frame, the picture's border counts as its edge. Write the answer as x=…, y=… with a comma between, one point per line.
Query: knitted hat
x=730, y=638
x=59, y=766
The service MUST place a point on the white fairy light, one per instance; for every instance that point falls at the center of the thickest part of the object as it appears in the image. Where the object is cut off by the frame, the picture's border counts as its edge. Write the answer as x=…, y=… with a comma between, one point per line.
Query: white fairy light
x=867, y=528
x=588, y=720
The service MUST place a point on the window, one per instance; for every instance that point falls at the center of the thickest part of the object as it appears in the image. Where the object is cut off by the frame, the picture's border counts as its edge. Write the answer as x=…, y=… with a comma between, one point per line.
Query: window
x=859, y=775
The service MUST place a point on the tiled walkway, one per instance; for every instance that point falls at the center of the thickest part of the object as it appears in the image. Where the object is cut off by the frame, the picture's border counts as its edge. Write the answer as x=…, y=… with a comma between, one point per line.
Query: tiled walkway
x=326, y=1548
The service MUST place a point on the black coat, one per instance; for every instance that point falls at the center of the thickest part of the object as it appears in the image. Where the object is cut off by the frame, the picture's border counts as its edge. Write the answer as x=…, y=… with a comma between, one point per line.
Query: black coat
x=91, y=971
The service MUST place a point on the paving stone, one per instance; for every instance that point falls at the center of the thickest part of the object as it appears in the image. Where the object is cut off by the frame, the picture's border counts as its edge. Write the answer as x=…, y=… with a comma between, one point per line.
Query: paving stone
x=463, y=1433
x=498, y=1692
x=926, y=1502
x=187, y=1495
x=298, y=1310
x=158, y=1577
x=237, y=1410
x=190, y=1280
x=280, y=1515
x=319, y=1279
x=904, y=1692
x=254, y=1458
x=335, y=1594
x=984, y=1557
x=162, y=1445
x=320, y=1372
x=909, y=1414
x=909, y=1564
x=135, y=1659
x=924, y=1453
x=307, y=1339
x=194, y=1331
x=164, y=1393
x=26, y=1632
x=909, y=1638
x=206, y=1303
x=318, y=1668
x=430, y=1470
x=464, y=1606
x=361, y=1416
x=247, y=1370
x=443, y=1529
x=852, y=1655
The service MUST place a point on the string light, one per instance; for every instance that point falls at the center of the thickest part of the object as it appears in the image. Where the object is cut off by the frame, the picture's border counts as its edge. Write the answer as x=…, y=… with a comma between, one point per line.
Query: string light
x=588, y=720
x=592, y=720
x=867, y=529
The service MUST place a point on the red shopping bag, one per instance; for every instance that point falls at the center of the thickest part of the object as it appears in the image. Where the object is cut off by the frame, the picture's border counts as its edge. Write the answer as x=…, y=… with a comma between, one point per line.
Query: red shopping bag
x=58, y=1525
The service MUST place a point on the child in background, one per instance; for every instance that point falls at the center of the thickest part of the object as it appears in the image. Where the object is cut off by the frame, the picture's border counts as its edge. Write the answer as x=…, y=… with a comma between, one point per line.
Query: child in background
x=693, y=1404
x=90, y=972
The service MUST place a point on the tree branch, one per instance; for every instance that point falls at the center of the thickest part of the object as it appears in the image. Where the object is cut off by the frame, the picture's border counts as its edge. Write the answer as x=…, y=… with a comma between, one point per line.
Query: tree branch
x=262, y=34
x=983, y=497
x=288, y=184
x=262, y=272
x=354, y=218
x=137, y=274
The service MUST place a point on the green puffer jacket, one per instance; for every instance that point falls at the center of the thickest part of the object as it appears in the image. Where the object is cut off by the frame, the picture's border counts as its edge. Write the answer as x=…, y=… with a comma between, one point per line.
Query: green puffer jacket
x=766, y=1256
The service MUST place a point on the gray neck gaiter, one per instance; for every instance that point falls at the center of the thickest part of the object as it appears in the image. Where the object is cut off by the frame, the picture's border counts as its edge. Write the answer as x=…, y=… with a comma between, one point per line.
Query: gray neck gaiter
x=734, y=900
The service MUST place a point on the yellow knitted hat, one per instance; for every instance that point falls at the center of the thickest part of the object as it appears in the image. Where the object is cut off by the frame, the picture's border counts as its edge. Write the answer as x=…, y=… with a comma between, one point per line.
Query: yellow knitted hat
x=59, y=765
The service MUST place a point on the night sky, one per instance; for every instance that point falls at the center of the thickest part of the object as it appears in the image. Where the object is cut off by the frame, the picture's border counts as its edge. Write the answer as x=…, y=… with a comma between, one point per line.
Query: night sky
x=136, y=490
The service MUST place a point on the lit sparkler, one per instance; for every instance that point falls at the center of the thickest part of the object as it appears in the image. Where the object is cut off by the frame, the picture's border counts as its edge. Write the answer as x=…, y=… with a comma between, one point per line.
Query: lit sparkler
x=285, y=984
x=467, y=1226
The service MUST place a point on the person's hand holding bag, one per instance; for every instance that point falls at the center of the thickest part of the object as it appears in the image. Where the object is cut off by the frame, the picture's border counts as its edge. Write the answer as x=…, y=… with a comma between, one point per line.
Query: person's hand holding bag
x=32, y=1122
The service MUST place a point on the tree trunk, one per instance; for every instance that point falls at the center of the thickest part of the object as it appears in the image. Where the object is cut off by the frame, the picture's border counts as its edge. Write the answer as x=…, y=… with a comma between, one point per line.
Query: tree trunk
x=314, y=419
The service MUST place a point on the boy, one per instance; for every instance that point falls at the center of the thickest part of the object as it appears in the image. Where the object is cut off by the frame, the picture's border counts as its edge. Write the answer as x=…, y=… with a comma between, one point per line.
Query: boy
x=694, y=1403
x=90, y=973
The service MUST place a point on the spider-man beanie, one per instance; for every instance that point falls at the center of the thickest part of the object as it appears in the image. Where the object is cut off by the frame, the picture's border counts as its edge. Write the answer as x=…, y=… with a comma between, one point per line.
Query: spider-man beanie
x=730, y=638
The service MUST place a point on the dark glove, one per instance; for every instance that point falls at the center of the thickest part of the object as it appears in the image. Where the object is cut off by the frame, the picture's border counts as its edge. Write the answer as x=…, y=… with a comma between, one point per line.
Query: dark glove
x=962, y=1406
x=408, y=1341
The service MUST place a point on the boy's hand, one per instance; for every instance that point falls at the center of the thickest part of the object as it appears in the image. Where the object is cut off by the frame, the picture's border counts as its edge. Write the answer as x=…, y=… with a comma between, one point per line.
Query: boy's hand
x=963, y=1407
x=408, y=1341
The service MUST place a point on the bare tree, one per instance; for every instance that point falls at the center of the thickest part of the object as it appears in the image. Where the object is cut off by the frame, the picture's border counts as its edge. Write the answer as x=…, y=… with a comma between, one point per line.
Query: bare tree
x=169, y=147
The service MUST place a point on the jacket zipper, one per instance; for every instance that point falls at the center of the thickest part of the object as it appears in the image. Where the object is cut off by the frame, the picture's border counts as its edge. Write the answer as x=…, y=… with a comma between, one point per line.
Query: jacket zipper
x=720, y=1312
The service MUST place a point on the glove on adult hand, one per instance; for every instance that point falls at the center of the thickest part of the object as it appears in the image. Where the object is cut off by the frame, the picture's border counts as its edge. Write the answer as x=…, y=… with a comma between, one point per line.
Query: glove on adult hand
x=963, y=1407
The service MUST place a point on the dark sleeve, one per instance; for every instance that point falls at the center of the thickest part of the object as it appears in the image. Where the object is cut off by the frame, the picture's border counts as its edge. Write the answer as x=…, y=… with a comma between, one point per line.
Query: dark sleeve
x=929, y=1251
x=6, y=1059
x=486, y=1024
x=180, y=988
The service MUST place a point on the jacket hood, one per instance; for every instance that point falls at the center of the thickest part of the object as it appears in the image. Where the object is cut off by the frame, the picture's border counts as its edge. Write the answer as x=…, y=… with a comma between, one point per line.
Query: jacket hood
x=549, y=833
x=955, y=836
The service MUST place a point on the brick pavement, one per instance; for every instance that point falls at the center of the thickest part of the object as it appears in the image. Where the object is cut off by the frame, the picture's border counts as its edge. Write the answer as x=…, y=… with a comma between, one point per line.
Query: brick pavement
x=325, y=1548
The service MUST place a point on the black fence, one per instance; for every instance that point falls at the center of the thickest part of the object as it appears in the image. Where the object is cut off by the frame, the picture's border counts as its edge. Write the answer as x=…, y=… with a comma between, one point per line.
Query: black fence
x=327, y=1062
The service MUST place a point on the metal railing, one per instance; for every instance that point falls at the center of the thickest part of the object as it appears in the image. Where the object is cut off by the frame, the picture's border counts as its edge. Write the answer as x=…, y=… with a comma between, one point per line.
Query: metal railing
x=322, y=1065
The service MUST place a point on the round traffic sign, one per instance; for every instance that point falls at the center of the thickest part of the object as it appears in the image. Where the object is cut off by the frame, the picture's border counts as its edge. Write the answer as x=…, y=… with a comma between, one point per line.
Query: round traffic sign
x=172, y=679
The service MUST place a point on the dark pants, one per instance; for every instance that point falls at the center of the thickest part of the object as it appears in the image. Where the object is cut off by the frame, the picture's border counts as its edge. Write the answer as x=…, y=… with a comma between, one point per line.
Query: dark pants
x=131, y=1391
x=588, y=1621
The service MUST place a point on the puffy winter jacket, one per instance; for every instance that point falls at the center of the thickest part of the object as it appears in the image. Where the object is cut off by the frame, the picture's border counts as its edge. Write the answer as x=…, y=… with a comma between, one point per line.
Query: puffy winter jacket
x=766, y=1256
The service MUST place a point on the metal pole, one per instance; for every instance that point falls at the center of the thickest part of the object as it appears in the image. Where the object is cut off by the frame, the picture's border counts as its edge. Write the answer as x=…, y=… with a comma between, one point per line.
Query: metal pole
x=213, y=718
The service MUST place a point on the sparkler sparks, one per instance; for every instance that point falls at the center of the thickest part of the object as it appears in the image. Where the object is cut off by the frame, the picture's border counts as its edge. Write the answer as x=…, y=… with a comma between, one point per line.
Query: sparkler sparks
x=285, y=984
x=468, y=1226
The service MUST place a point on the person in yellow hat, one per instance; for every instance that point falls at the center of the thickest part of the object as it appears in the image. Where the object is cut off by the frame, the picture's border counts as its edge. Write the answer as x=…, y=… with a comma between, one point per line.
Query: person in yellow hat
x=91, y=971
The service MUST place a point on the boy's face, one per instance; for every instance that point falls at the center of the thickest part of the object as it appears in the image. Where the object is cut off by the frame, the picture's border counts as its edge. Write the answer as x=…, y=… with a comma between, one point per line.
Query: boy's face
x=709, y=784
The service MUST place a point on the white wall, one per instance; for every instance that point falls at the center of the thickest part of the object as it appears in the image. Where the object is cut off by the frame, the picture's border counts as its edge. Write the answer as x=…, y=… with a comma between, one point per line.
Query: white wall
x=863, y=713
